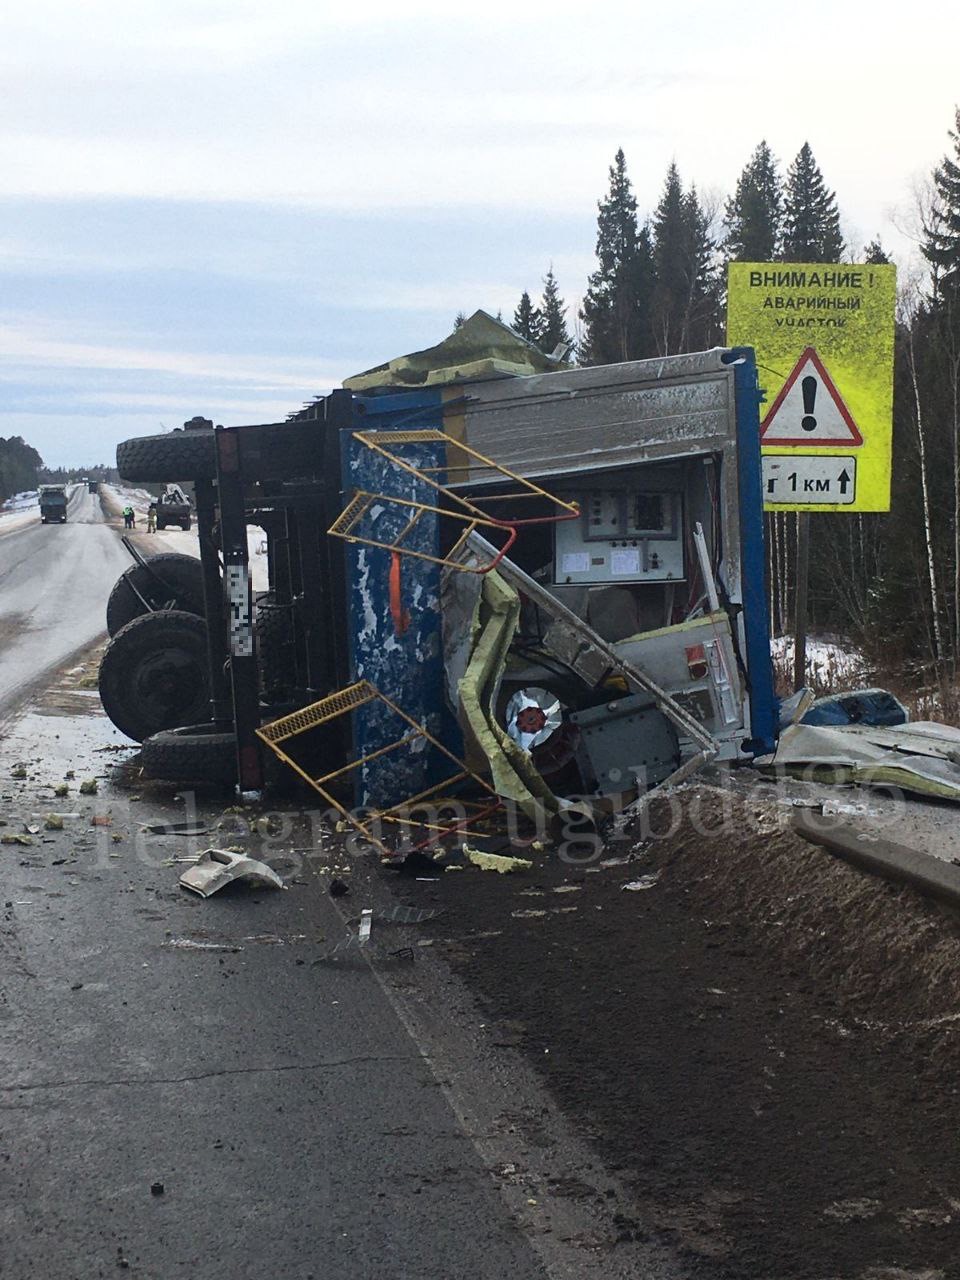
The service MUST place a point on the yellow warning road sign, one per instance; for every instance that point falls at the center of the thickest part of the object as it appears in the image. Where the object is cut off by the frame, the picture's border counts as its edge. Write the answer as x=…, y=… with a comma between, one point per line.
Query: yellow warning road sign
x=823, y=335
x=809, y=411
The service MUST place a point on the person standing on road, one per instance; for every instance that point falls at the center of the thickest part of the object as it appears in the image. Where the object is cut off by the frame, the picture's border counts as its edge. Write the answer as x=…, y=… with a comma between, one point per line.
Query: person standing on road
x=152, y=518
x=128, y=517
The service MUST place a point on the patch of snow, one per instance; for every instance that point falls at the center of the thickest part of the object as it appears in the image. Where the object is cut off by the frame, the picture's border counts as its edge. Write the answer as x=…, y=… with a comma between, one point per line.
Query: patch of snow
x=831, y=664
x=19, y=502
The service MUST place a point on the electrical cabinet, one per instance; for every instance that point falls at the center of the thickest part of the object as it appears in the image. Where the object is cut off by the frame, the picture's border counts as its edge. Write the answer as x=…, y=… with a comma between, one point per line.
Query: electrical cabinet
x=622, y=535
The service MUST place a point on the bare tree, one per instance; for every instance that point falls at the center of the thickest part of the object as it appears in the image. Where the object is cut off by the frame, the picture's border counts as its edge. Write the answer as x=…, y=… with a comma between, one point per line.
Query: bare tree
x=907, y=308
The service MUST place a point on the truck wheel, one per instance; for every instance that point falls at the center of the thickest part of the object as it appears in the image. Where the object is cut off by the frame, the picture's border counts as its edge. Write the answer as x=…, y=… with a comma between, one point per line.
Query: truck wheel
x=208, y=753
x=183, y=576
x=178, y=455
x=275, y=648
x=194, y=753
x=153, y=675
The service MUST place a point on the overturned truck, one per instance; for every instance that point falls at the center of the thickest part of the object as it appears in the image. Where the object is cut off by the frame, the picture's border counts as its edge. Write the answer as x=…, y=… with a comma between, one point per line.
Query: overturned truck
x=488, y=579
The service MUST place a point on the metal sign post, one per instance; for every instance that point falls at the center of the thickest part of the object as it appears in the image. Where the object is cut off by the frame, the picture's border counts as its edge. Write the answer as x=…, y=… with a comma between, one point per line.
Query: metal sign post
x=800, y=617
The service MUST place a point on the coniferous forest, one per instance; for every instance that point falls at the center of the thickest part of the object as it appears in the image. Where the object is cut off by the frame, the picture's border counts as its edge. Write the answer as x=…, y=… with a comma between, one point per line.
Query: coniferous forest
x=19, y=465
x=887, y=583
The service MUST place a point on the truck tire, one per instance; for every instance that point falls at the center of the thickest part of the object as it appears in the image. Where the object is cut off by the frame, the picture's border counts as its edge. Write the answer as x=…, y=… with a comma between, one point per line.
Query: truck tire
x=178, y=455
x=194, y=753
x=208, y=753
x=154, y=675
x=275, y=648
x=183, y=574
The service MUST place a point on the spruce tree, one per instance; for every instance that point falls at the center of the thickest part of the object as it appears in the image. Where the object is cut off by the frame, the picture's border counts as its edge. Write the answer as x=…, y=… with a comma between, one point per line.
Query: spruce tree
x=669, y=252
x=684, y=295
x=705, y=309
x=528, y=320
x=753, y=215
x=615, y=310
x=874, y=254
x=553, y=310
x=459, y=319
x=811, y=219
x=941, y=245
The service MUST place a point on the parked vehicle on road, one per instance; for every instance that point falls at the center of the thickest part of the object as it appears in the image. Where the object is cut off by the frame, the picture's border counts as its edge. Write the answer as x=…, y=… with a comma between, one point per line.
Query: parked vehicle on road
x=53, y=504
x=173, y=508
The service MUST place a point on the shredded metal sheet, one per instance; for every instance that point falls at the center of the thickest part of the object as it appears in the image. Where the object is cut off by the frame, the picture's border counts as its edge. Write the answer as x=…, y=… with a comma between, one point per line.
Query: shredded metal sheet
x=921, y=758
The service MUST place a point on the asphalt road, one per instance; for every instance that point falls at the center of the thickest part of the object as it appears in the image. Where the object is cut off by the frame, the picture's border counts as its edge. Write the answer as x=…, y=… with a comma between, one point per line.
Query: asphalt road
x=185, y=1091
x=54, y=583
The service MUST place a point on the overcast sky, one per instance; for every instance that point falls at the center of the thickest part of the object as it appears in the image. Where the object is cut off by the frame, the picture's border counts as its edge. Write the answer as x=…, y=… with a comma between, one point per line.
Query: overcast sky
x=225, y=207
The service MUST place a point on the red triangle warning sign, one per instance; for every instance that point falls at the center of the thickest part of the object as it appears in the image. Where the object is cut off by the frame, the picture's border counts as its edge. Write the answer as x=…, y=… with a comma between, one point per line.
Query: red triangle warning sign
x=809, y=410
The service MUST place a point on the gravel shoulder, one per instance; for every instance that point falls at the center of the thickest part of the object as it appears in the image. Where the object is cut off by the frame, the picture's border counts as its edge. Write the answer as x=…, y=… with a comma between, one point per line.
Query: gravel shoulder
x=760, y=1042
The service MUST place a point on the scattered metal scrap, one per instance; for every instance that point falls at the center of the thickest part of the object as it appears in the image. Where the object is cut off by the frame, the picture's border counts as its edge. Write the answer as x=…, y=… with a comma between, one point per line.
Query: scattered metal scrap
x=360, y=937
x=406, y=915
x=921, y=758
x=176, y=828
x=199, y=944
x=216, y=868
x=415, y=738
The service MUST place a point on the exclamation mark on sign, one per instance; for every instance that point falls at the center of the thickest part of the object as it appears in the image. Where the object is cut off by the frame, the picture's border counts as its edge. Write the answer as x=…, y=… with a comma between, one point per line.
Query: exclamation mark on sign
x=808, y=388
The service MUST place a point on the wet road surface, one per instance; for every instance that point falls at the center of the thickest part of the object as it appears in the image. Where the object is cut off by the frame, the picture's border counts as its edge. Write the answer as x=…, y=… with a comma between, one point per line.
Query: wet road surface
x=185, y=1092
x=54, y=584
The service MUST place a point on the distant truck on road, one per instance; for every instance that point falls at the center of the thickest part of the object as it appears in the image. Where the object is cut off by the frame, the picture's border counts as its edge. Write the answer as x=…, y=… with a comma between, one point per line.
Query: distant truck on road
x=92, y=486
x=173, y=507
x=53, y=504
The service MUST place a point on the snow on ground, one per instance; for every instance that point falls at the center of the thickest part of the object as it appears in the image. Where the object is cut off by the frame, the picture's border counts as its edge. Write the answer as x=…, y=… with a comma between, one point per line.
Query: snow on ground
x=19, y=502
x=139, y=499
x=19, y=511
x=832, y=666
x=187, y=543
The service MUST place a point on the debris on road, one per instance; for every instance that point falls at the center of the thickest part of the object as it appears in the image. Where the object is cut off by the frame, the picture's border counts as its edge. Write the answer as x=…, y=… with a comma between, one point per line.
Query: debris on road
x=922, y=758
x=216, y=868
x=407, y=915
x=366, y=925
x=645, y=882
x=495, y=861
x=88, y=787
x=199, y=944
x=53, y=822
x=175, y=828
x=338, y=888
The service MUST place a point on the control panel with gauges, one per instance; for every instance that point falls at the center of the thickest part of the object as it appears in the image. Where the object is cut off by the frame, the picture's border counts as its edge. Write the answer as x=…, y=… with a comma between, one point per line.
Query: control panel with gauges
x=623, y=535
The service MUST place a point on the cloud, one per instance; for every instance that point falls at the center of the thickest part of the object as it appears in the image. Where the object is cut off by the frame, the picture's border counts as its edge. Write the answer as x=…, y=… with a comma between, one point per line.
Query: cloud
x=25, y=347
